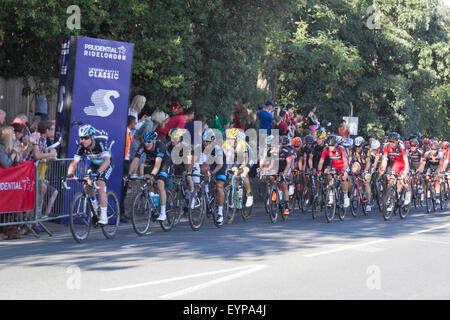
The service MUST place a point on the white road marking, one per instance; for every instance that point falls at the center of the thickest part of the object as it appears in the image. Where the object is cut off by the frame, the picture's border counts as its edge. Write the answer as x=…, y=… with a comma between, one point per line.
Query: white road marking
x=427, y=230
x=250, y=267
x=431, y=241
x=344, y=248
x=213, y=282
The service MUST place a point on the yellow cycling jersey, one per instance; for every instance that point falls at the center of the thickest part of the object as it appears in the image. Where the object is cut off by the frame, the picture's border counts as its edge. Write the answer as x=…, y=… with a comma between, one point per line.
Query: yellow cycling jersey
x=239, y=148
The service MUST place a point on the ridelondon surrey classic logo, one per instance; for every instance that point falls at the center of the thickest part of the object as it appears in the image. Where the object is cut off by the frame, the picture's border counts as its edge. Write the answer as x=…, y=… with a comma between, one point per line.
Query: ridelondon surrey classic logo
x=105, y=52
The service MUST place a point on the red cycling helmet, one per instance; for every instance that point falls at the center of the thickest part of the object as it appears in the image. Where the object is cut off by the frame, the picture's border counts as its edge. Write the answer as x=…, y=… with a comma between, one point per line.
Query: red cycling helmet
x=406, y=143
x=414, y=143
x=426, y=143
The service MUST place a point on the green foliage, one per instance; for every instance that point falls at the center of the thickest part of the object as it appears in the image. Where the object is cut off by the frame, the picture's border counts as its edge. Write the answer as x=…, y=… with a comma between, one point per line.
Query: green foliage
x=207, y=54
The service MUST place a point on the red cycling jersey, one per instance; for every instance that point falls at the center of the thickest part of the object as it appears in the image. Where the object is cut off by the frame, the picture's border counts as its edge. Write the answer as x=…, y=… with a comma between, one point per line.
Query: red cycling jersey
x=337, y=157
x=395, y=157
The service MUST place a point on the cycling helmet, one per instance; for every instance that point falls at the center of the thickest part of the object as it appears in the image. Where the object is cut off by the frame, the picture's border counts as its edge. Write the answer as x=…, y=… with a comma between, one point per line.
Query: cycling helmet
x=86, y=131
x=332, y=141
x=417, y=134
x=149, y=135
x=232, y=134
x=320, y=134
x=340, y=140
x=434, y=145
x=297, y=142
x=414, y=143
x=406, y=143
x=394, y=136
x=359, y=141
x=176, y=133
x=241, y=136
x=385, y=139
x=284, y=140
x=348, y=142
x=444, y=145
x=309, y=139
x=374, y=144
x=208, y=135
x=269, y=139
x=426, y=143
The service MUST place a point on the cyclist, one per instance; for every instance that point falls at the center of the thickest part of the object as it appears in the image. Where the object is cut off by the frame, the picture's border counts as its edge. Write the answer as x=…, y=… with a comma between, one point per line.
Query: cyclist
x=446, y=163
x=375, y=154
x=339, y=161
x=359, y=158
x=180, y=169
x=316, y=152
x=237, y=156
x=101, y=167
x=415, y=155
x=308, y=147
x=213, y=164
x=156, y=165
x=395, y=158
x=432, y=160
x=297, y=145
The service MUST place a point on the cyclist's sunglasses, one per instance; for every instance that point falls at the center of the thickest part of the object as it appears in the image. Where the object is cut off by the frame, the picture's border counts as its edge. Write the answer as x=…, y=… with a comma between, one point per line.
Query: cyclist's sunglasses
x=85, y=138
x=148, y=141
x=392, y=141
x=296, y=147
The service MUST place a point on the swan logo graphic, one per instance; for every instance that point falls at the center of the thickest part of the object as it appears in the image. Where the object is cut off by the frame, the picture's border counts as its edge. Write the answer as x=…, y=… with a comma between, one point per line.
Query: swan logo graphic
x=103, y=106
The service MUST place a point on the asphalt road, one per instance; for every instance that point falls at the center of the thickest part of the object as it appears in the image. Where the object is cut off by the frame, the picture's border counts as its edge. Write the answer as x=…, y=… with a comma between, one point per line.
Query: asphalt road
x=301, y=258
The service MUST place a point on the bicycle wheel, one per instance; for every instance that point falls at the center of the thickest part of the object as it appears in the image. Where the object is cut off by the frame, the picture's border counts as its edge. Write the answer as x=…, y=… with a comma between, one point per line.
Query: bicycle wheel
x=330, y=206
x=230, y=205
x=444, y=196
x=267, y=200
x=404, y=210
x=380, y=195
x=168, y=224
x=389, y=203
x=178, y=202
x=354, y=200
x=80, y=217
x=141, y=213
x=197, y=209
x=340, y=204
x=246, y=212
x=316, y=202
x=113, y=211
x=274, y=204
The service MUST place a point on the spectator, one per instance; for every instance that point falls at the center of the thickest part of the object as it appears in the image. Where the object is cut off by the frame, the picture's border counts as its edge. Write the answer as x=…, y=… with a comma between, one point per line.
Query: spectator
x=131, y=123
x=2, y=117
x=40, y=152
x=8, y=153
x=136, y=106
x=40, y=99
x=178, y=121
x=280, y=125
x=313, y=122
x=265, y=117
x=34, y=123
x=344, y=130
x=240, y=115
x=157, y=120
x=22, y=140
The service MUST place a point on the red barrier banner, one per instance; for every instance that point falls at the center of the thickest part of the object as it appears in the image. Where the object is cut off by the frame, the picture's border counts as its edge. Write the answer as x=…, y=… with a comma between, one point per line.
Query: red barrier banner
x=17, y=188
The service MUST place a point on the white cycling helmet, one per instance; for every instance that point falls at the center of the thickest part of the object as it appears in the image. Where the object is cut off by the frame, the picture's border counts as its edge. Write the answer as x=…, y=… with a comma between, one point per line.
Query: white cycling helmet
x=86, y=130
x=359, y=141
x=374, y=144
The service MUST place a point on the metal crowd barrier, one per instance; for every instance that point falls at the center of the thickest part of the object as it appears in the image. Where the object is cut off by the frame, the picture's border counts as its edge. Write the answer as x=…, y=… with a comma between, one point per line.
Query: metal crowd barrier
x=52, y=201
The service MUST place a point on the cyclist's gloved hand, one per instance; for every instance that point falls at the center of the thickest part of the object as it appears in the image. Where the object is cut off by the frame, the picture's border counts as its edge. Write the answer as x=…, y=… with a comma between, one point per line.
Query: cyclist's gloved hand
x=93, y=175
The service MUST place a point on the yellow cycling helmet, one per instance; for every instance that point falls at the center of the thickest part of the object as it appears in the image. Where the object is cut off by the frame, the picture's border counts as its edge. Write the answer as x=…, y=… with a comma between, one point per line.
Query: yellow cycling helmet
x=175, y=133
x=320, y=134
x=232, y=134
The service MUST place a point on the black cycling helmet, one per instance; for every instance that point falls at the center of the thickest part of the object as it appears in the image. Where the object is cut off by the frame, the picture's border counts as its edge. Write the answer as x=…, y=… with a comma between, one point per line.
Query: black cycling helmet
x=309, y=139
x=332, y=141
x=284, y=140
x=394, y=136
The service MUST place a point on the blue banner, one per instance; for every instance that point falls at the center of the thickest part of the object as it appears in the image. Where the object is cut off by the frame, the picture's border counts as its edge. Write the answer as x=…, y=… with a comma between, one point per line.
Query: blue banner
x=100, y=97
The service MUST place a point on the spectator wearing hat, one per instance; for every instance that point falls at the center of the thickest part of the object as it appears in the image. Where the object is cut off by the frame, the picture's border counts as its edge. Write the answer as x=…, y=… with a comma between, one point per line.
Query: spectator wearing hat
x=265, y=117
x=177, y=109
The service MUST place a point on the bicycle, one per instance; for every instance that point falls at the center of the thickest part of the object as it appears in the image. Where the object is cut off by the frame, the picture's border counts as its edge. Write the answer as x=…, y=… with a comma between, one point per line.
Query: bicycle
x=393, y=201
x=201, y=202
x=145, y=210
x=334, y=197
x=417, y=189
x=181, y=197
x=83, y=215
x=275, y=197
x=378, y=185
x=358, y=195
x=317, y=191
x=236, y=198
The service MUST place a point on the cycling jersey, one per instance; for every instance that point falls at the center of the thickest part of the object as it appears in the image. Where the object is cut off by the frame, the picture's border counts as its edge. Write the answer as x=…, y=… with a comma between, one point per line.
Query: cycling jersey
x=415, y=158
x=361, y=157
x=96, y=154
x=395, y=157
x=432, y=162
x=337, y=157
x=211, y=157
x=180, y=167
x=305, y=152
x=284, y=154
x=159, y=150
x=316, y=154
